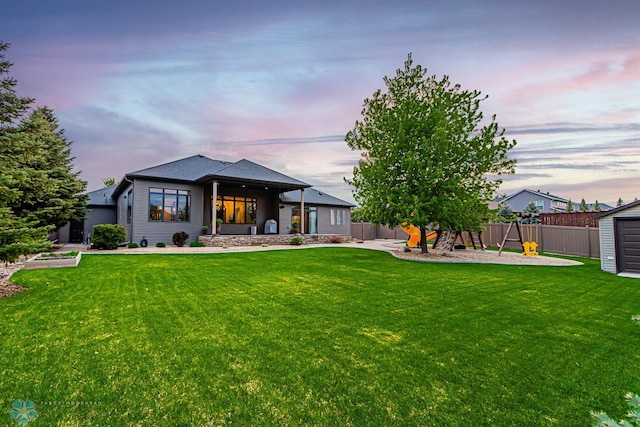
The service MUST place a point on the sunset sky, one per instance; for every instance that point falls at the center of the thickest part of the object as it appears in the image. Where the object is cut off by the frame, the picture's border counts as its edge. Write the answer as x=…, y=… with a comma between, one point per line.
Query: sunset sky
x=139, y=83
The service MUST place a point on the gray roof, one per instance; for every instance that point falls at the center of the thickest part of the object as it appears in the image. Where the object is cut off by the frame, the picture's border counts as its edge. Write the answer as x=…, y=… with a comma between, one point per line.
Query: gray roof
x=102, y=196
x=314, y=197
x=539, y=193
x=189, y=169
x=245, y=170
x=202, y=169
x=618, y=209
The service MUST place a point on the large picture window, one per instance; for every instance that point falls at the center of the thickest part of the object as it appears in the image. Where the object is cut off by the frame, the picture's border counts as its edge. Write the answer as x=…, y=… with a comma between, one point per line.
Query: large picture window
x=236, y=209
x=169, y=205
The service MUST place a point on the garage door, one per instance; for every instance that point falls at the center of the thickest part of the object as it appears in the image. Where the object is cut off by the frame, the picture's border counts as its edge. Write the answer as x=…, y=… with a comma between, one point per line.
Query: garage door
x=628, y=244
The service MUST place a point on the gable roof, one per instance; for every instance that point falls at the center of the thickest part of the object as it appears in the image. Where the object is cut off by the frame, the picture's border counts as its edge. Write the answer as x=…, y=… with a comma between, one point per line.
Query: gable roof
x=537, y=193
x=621, y=208
x=314, y=197
x=102, y=196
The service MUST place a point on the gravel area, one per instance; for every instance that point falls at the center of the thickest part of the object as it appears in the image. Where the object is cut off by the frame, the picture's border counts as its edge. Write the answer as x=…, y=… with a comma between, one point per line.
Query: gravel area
x=478, y=256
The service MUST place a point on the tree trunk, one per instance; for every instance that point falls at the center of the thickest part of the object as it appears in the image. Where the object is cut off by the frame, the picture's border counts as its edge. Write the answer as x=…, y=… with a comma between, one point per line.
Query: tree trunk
x=423, y=240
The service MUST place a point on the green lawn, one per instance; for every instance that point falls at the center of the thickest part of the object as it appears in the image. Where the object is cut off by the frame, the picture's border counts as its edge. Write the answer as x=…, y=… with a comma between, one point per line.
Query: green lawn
x=323, y=336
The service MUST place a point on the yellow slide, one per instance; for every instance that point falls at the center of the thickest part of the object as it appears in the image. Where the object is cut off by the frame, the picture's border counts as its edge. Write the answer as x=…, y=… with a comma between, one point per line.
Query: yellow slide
x=414, y=235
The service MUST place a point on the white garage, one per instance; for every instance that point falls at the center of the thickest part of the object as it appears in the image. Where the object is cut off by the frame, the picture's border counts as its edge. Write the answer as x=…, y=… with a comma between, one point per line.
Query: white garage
x=620, y=240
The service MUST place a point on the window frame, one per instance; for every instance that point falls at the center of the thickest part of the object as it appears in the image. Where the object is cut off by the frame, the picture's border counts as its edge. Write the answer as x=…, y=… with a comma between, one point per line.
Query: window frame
x=171, y=198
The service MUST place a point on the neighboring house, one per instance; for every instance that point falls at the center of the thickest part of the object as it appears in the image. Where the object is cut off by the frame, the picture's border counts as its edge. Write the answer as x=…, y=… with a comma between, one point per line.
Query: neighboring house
x=544, y=201
x=101, y=209
x=191, y=193
x=620, y=240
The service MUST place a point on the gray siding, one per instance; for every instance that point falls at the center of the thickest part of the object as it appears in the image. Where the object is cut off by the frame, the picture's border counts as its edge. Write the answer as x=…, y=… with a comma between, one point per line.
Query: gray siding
x=121, y=212
x=99, y=215
x=324, y=219
x=284, y=219
x=157, y=231
x=607, y=238
x=327, y=226
x=521, y=200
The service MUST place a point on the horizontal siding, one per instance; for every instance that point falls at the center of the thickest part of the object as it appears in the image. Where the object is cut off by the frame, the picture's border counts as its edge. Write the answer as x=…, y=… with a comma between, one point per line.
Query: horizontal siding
x=157, y=231
x=608, y=260
x=102, y=215
x=607, y=245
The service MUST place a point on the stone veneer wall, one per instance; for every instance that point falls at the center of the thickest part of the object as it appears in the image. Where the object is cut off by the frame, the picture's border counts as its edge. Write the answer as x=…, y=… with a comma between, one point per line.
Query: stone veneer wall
x=270, y=239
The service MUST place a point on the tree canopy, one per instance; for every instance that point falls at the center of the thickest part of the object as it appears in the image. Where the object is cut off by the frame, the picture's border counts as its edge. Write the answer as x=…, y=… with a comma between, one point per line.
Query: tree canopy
x=38, y=190
x=428, y=156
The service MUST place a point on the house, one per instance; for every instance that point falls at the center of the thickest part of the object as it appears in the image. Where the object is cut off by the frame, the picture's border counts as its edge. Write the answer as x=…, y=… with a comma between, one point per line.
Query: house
x=191, y=193
x=544, y=201
x=620, y=240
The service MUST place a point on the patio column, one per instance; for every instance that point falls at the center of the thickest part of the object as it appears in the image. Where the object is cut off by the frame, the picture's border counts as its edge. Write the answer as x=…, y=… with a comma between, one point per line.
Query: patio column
x=214, y=201
x=302, y=210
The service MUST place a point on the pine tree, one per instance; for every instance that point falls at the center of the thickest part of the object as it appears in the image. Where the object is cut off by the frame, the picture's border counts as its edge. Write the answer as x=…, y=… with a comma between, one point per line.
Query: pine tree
x=51, y=191
x=38, y=190
x=569, y=206
x=583, y=206
x=597, y=207
x=620, y=202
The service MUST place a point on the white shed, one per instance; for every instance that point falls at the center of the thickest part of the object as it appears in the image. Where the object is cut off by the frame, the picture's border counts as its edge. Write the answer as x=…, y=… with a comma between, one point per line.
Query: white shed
x=620, y=239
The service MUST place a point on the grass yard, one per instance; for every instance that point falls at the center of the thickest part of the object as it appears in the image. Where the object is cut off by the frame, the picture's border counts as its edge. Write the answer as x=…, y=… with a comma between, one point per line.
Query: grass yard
x=323, y=336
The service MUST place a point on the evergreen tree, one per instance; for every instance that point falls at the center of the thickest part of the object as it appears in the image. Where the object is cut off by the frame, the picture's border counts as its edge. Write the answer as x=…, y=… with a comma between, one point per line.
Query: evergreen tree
x=569, y=206
x=38, y=190
x=530, y=212
x=425, y=159
x=18, y=235
x=597, y=207
x=620, y=202
x=583, y=206
x=50, y=190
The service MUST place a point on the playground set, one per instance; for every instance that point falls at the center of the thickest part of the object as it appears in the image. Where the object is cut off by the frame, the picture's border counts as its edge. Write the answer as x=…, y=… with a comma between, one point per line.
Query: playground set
x=446, y=240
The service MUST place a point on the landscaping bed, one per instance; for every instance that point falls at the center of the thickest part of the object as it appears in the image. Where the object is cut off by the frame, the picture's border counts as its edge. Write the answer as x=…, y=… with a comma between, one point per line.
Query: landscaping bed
x=53, y=260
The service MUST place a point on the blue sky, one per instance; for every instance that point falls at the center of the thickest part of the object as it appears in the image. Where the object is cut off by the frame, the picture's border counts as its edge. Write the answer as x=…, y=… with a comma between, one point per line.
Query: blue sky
x=139, y=83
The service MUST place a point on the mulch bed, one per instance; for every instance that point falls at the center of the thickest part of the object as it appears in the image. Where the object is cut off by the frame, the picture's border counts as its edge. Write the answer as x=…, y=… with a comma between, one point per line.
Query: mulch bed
x=8, y=288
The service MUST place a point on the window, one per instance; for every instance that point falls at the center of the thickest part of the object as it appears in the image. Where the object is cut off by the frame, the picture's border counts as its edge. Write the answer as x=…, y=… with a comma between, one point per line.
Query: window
x=236, y=209
x=169, y=205
x=129, y=206
x=332, y=217
x=539, y=204
x=310, y=218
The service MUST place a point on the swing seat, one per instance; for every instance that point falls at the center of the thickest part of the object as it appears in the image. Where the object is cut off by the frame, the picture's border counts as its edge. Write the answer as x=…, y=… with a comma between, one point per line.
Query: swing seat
x=530, y=249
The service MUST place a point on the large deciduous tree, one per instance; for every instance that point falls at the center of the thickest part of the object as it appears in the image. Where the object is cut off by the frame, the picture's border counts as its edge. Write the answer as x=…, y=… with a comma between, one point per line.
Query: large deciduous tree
x=428, y=157
x=38, y=190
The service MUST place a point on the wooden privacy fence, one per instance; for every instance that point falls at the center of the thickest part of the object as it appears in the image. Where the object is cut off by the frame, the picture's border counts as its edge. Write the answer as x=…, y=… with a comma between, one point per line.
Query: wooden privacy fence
x=576, y=241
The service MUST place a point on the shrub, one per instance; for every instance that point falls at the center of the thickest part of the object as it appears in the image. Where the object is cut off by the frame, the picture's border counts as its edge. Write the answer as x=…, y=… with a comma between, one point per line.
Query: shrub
x=296, y=241
x=108, y=236
x=133, y=245
x=180, y=238
x=161, y=245
x=196, y=244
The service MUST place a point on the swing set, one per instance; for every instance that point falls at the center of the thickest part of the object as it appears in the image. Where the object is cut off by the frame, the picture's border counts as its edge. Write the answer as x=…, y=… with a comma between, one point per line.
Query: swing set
x=530, y=246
